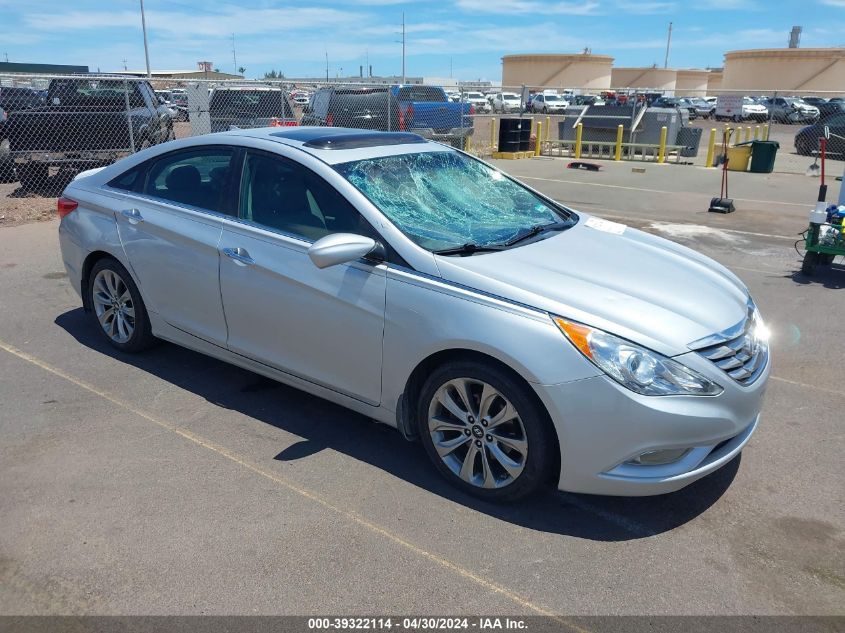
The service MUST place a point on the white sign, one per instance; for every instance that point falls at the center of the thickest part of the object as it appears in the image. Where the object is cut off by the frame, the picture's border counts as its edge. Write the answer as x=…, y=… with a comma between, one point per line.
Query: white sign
x=729, y=105
x=198, y=108
x=606, y=226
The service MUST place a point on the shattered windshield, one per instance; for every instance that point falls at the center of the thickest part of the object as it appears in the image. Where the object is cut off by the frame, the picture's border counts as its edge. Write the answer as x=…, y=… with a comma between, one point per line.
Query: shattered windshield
x=443, y=200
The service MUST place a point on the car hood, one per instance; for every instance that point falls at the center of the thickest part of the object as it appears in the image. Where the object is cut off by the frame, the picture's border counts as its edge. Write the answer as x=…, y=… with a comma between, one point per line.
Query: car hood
x=638, y=286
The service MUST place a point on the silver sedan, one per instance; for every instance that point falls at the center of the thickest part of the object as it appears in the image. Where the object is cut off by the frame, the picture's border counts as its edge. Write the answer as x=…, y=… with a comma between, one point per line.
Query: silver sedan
x=519, y=341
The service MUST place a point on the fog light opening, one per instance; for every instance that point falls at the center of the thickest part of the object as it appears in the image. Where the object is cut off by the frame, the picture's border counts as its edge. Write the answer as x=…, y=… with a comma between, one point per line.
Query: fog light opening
x=659, y=457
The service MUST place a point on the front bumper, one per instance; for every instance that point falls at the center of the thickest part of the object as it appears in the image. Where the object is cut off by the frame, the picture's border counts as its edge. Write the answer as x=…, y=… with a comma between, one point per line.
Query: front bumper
x=601, y=426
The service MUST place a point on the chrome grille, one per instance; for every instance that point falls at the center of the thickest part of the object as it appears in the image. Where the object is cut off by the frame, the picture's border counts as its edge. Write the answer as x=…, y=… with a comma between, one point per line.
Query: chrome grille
x=739, y=354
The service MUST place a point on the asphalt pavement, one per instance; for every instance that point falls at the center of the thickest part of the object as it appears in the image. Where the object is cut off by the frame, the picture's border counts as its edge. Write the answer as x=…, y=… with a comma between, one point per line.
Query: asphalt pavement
x=170, y=483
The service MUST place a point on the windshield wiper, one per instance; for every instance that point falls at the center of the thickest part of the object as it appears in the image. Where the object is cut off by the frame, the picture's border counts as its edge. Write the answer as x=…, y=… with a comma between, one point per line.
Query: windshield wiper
x=537, y=230
x=468, y=249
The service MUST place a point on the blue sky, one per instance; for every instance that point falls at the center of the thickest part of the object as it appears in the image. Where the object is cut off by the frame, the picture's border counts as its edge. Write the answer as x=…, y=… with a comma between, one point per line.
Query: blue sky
x=472, y=35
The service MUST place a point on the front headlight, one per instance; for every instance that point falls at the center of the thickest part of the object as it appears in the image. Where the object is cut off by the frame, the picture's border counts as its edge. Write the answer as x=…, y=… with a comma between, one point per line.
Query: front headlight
x=634, y=367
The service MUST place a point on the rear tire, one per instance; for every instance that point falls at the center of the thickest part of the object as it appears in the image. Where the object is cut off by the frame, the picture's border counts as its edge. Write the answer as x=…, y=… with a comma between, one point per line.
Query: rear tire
x=117, y=307
x=33, y=176
x=493, y=439
x=808, y=266
x=803, y=147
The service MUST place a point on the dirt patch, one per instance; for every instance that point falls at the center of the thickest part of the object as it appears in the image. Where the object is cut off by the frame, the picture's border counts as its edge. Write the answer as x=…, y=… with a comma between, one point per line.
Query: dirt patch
x=17, y=207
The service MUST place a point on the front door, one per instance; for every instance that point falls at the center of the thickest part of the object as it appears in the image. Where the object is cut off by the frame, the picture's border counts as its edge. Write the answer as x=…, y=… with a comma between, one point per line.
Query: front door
x=325, y=326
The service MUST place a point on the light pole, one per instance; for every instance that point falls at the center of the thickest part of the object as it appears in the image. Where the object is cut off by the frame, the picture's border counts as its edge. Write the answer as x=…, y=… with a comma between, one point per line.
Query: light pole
x=146, y=46
x=403, y=47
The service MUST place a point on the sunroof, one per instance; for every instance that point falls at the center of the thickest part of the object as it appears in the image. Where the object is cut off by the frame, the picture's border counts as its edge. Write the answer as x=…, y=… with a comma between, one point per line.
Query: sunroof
x=364, y=139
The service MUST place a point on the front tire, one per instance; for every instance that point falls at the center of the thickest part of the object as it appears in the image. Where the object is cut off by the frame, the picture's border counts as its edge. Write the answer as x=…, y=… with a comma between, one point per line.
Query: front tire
x=485, y=432
x=117, y=307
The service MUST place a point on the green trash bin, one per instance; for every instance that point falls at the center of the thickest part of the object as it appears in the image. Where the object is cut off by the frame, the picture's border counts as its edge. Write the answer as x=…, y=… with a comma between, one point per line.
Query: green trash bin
x=763, y=156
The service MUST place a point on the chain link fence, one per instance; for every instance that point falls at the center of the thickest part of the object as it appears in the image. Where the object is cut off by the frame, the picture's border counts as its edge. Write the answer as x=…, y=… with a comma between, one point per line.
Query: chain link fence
x=52, y=127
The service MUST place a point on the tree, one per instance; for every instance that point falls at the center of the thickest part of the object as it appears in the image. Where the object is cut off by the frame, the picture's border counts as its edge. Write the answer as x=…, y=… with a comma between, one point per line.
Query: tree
x=274, y=74
x=217, y=70
x=241, y=70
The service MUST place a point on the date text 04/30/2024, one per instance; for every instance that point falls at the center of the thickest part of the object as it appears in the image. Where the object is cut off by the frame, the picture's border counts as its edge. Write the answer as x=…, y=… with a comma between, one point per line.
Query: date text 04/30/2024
x=415, y=623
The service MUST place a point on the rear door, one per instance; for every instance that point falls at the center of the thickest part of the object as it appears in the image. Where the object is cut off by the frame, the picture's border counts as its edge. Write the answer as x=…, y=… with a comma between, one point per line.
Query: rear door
x=324, y=326
x=170, y=227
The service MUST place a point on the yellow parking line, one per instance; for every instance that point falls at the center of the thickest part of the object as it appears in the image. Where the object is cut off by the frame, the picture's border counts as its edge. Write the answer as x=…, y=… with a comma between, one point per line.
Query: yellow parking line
x=312, y=496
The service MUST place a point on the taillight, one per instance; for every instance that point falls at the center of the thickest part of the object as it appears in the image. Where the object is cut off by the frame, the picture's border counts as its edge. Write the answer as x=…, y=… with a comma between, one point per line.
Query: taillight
x=66, y=206
x=330, y=119
x=401, y=120
x=471, y=109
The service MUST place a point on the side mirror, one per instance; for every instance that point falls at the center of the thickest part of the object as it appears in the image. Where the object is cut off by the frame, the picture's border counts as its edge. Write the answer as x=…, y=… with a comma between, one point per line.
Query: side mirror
x=342, y=248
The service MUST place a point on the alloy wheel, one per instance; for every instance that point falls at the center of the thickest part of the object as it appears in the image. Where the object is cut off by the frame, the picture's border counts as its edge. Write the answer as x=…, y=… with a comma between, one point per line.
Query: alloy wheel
x=114, y=306
x=477, y=433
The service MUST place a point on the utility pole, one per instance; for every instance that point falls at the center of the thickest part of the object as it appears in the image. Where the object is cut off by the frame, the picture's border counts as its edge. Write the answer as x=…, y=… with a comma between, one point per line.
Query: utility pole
x=7, y=57
x=327, y=65
x=146, y=45
x=668, y=43
x=450, y=68
x=234, y=56
x=124, y=64
x=403, y=47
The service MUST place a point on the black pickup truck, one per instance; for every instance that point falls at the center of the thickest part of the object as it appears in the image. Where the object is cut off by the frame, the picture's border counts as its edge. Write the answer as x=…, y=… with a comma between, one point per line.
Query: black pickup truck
x=86, y=122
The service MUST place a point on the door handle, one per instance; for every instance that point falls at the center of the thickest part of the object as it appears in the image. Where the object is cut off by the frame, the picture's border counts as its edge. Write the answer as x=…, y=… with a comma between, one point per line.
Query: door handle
x=239, y=255
x=133, y=215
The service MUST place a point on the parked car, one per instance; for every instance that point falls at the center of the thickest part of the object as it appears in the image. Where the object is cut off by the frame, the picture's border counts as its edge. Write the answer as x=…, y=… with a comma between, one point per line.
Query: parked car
x=507, y=102
x=807, y=138
x=519, y=341
x=176, y=102
x=362, y=108
x=427, y=111
x=300, y=97
x=17, y=98
x=675, y=103
x=549, y=104
x=702, y=108
x=478, y=101
x=826, y=108
x=791, y=110
x=247, y=107
x=85, y=124
x=590, y=100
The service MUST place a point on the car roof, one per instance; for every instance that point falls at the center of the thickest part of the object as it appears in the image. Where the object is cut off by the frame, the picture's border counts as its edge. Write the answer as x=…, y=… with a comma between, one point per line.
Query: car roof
x=335, y=145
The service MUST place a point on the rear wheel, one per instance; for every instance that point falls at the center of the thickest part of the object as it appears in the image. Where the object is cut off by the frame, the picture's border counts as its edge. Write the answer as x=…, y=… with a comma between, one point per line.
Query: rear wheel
x=118, y=308
x=33, y=175
x=804, y=147
x=808, y=266
x=484, y=432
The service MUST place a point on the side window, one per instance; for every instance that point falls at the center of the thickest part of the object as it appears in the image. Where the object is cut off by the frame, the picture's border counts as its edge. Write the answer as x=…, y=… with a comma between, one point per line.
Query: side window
x=130, y=180
x=198, y=178
x=283, y=195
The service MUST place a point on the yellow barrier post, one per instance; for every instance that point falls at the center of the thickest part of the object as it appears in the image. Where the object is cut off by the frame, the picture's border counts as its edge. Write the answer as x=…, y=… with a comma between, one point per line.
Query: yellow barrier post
x=619, y=132
x=711, y=148
x=756, y=132
x=537, y=138
x=766, y=132
x=579, y=130
x=548, y=126
x=492, y=133
x=661, y=152
x=467, y=143
x=748, y=133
